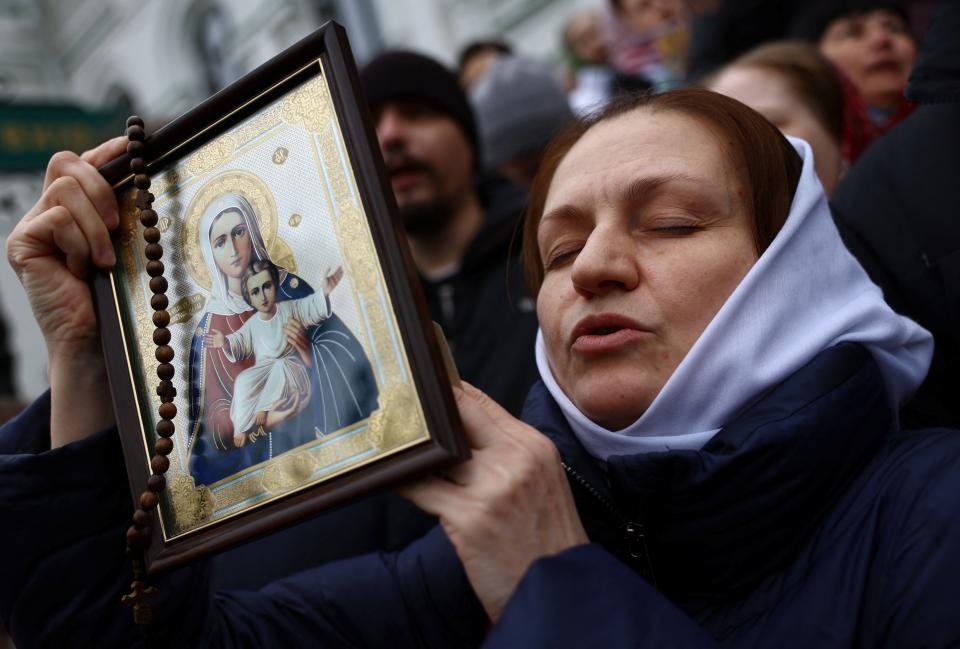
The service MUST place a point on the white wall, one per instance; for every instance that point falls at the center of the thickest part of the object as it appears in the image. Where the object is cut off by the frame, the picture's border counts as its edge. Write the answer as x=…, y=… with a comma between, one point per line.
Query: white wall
x=443, y=27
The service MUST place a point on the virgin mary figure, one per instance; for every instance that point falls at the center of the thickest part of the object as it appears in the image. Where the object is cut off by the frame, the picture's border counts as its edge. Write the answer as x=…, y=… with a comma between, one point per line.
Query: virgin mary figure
x=343, y=389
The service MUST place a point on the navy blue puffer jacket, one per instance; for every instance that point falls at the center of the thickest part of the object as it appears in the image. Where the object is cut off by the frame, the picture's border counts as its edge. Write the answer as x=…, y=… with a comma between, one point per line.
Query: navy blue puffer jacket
x=803, y=523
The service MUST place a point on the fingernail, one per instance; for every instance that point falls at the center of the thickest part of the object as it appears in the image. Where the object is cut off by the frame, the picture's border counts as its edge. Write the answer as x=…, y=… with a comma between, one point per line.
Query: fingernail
x=109, y=257
x=111, y=218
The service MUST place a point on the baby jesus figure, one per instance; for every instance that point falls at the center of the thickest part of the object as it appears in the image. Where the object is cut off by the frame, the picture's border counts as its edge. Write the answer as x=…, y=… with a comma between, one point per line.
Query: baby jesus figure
x=277, y=386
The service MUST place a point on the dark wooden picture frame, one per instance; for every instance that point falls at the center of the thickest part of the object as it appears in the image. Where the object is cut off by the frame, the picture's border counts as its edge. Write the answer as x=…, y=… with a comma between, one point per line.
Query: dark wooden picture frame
x=324, y=56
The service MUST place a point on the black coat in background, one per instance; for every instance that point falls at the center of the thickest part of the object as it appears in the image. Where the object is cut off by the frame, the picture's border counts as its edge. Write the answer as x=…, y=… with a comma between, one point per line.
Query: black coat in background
x=897, y=212
x=487, y=317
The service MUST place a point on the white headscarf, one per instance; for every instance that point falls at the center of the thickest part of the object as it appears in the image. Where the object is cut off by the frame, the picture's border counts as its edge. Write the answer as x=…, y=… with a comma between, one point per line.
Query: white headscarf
x=221, y=300
x=806, y=293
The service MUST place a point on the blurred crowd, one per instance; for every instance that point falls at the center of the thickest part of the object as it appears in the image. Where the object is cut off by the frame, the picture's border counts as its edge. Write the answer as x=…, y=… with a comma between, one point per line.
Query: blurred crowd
x=833, y=73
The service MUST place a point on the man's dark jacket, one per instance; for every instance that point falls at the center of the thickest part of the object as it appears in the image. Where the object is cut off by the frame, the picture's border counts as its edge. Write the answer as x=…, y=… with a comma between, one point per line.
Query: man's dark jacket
x=897, y=212
x=803, y=523
x=487, y=316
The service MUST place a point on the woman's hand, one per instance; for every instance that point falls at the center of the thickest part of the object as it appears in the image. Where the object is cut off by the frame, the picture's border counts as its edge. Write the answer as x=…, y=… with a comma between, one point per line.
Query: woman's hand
x=506, y=506
x=290, y=408
x=333, y=278
x=239, y=439
x=296, y=335
x=214, y=339
x=52, y=250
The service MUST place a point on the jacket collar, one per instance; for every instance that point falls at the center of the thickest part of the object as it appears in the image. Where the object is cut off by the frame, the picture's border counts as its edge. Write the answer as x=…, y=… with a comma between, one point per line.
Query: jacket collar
x=723, y=517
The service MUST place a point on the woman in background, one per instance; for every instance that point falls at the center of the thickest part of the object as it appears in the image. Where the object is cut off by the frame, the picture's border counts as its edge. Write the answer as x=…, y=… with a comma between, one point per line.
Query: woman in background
x=797, y=89
x=870, y=43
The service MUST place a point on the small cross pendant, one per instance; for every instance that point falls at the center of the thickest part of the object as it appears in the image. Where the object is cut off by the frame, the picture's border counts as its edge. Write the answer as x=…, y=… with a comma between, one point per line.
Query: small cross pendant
x=139, y=592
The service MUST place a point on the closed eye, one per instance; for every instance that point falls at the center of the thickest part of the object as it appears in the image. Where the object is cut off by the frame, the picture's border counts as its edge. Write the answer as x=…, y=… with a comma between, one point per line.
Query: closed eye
x=561, y=257
x=677, y=229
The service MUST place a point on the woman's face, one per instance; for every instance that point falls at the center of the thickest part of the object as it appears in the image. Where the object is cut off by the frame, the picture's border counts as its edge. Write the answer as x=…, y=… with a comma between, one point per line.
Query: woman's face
x=230, y=240
x=644, y=15
x=769, y=94
x=645, y=233
x=875, y=50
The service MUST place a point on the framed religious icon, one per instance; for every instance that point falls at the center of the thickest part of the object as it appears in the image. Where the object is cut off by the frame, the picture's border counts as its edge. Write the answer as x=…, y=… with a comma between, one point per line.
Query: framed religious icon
x=306, y=370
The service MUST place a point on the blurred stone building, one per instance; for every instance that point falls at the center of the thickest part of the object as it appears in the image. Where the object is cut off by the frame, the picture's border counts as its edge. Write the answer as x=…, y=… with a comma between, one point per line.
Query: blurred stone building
x=70, y=72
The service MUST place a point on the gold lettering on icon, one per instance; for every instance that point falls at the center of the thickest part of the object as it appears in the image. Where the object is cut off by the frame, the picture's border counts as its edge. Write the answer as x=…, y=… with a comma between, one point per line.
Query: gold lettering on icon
x=163, y=224
x=280, y=155
x=295, y=220
x=184, y=309
x=168, y=181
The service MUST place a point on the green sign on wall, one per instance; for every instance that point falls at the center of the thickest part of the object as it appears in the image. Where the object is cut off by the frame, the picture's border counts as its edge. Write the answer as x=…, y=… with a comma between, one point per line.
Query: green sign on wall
x=31, y=133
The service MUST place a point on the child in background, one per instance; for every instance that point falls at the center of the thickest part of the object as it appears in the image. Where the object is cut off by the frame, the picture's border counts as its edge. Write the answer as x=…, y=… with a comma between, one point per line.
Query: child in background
x=650, y=39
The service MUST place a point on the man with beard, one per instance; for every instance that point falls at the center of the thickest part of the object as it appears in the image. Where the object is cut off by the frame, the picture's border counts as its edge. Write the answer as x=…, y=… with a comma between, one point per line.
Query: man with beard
x=460, y=223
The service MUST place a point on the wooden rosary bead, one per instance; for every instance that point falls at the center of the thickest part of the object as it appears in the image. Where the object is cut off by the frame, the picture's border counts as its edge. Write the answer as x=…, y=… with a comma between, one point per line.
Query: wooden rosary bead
x=153, y=251
x=154, y=268
x=164, y=371
x=161, y=336
x=164, y=353
x=136, y=133
x=137, y=537
x=158, y=284
x=134, y=120
x=141, y=518
x=137, y=165
x=164, y=446
x=148, y=500
x=141, y=181
x=161, y=319
x=165, y=429
x=144, y=199
x=151, y=235
x=148, y=218
x=156, y=483
x=167, y=411
x=159, y=464
x=135, y=149
x=159, y=302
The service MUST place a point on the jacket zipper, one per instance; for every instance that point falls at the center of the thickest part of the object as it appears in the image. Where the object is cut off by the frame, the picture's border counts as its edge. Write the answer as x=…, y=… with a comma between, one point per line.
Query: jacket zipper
x=634, y=533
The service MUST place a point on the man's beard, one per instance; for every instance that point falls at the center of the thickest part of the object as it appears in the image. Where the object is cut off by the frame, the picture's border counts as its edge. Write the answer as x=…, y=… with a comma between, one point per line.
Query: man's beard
x=428, y=215
x=424, y=218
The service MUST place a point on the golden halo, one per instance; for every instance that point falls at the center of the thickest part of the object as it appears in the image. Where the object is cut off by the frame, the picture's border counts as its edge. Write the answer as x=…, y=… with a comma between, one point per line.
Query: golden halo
x=239, y=182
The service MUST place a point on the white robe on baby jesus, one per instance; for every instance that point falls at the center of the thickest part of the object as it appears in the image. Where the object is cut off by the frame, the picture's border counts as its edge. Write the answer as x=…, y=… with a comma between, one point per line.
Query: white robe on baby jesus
x=278, y=377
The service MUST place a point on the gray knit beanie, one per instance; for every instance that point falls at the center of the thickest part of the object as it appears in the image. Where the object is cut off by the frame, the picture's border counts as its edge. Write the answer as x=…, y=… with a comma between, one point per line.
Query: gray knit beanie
x=520, y=107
